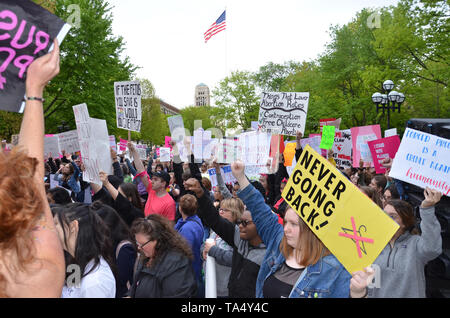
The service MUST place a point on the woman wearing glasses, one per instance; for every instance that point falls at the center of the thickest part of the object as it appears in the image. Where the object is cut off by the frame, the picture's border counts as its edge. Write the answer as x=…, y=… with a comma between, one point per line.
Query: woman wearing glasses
x=296, y=263
x=248, y=250
x=164, y=269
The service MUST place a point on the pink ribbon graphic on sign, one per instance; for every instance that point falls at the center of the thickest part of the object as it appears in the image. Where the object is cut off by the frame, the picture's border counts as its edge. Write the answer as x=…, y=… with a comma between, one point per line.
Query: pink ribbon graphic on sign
x=356, y=237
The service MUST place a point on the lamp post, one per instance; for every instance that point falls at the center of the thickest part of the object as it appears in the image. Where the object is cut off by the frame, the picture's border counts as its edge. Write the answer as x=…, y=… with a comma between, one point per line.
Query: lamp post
x=390, y=100
x=63, y=127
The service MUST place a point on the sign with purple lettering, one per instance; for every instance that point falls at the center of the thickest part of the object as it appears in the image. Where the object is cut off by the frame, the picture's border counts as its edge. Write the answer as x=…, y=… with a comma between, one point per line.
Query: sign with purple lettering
x=27, y=32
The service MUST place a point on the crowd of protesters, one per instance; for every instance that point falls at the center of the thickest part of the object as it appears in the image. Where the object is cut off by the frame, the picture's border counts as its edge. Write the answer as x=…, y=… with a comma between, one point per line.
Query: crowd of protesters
x=143, y=231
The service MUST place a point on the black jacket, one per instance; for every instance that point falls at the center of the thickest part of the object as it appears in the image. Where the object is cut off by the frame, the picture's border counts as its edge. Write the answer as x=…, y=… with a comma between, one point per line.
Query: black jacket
x=246, y=260
x=171, y=277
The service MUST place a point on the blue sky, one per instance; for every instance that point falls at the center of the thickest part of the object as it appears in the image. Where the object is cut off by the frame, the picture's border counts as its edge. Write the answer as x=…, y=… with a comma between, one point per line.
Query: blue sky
x=165, y=37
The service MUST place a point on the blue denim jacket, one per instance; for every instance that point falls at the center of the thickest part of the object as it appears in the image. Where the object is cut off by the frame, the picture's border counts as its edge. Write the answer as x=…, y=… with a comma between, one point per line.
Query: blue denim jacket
x=326, y=278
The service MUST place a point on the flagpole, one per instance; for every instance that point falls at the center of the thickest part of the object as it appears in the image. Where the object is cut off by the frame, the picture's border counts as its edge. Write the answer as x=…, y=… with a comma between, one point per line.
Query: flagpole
x=226, y=44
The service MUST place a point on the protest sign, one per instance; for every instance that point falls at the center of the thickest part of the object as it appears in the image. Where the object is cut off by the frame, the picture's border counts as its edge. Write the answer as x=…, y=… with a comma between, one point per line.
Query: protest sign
x=112, y=143
x=325, y=122
x=390, y=132
x=360, y=137
x=226, y=174
x=255, y=149
x=348, y=222
x=14, y=140
x=68, y=141
x=27, y=34
x=383, y=148
x=94, y=144
x=167, y=140
x=176, y=127
x=423, y=160
x=254, y=125
x=102, y=148
x=342, y=148
x=327, y=139
x=128, y=105
x=142, y=151
x=51, y=146
x=123, y=144
x=283, y=113
x=198, y=144
x=289, y=153
x=164, y=154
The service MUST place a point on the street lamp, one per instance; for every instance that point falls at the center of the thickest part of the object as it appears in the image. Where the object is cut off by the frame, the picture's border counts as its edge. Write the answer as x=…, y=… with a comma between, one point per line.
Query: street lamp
x=391, y=100
x=63, y=127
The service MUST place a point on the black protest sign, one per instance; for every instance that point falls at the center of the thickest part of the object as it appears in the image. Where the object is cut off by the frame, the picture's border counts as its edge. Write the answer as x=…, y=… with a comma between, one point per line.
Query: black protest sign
x=27, y=32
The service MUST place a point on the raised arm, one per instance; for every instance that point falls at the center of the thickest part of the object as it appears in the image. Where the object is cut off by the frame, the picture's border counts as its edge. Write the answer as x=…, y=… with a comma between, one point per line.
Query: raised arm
x=48, y=281
x=138, y=163
x=265, y=220
x=429, y=245
x=206, y=210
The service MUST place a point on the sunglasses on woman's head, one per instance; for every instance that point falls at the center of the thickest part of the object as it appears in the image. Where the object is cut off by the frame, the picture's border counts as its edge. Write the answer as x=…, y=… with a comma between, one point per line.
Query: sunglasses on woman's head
x=243, y=222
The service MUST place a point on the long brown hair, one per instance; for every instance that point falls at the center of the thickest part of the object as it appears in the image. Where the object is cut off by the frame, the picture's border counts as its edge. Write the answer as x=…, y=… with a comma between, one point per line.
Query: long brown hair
x=158, y=228
x=312, y=249
x=406, y=213
x=372, y=194
x=21, y=206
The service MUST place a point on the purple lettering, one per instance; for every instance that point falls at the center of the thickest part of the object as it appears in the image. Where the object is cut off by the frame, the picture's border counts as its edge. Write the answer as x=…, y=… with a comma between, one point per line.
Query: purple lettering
x=23, y=66
x=5, y=14
x=15, y=42
x=6, y=63
x=41, y=45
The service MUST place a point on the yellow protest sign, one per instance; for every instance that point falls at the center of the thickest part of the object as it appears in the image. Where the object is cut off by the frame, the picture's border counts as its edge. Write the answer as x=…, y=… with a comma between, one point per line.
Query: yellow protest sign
x=348, y=222
x=289, y=153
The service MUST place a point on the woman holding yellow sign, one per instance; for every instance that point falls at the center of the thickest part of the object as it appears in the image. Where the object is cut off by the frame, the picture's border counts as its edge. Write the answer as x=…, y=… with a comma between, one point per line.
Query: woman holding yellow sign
x=296, y=263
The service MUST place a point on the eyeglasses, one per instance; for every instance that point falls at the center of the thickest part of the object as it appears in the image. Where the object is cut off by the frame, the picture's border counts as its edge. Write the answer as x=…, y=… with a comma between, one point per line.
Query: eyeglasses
x=142, y=246
x=243, y=222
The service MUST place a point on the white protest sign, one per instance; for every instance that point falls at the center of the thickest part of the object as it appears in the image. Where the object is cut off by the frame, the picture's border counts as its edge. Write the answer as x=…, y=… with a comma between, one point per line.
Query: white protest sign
x=342, y=148
x=51, y=146
x=142, y=150
x=198, y=144
x=128, y=105
x=226, y=174
x=390, y=132
x=68, y=141
x=176, y=127
x=95, y=156
x=423, y=160
x=164, y=154
x=112, y=143
x=101, y=143
x=283, y=113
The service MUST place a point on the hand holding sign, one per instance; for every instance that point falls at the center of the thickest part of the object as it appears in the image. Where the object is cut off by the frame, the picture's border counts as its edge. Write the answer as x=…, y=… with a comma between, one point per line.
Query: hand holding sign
x=41, y=71
x=432, y=197
x=359, y=282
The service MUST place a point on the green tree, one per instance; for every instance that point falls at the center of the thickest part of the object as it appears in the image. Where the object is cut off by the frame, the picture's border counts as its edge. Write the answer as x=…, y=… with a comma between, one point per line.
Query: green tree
x=90, y=64
x=192, y=113
x=236, y=100
x=271, y=77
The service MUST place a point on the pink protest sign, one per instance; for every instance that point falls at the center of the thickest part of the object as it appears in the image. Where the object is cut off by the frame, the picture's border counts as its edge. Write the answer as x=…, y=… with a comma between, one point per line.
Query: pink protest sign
x=167, y=142
x=360, y=137
x=383, y=148
x=123, y=144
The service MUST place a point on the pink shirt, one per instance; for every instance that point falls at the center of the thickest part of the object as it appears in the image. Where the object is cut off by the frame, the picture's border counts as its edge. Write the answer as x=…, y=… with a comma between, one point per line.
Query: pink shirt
x=164, y=206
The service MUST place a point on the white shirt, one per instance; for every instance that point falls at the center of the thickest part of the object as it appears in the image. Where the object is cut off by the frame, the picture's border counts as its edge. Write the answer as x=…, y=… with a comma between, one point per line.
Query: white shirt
x=100, y=283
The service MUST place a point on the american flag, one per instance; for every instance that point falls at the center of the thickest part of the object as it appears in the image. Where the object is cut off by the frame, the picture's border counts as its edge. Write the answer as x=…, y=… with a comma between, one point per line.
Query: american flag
x=216, y=27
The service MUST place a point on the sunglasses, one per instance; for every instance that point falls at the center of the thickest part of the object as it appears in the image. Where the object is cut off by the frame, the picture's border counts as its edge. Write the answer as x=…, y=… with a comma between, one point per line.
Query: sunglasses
x=243, y=222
